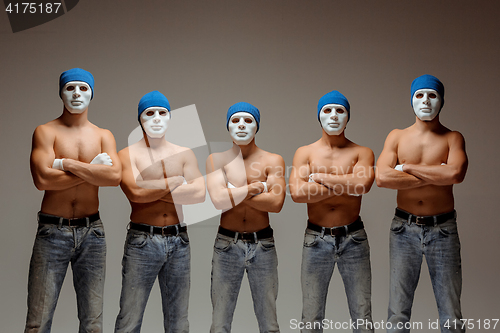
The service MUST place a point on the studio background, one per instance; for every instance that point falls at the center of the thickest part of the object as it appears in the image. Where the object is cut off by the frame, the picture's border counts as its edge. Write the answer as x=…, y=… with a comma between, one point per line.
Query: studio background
x=281, y=56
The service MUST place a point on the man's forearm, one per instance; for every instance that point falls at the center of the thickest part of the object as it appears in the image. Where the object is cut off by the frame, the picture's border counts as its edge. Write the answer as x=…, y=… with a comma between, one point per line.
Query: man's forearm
x=95, y=174
x=56, y=180
x=433, y=174
x=398, y=180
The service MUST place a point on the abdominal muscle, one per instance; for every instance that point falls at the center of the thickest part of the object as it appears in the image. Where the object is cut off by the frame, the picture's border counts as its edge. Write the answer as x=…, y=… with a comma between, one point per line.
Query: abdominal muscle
x=157, y=213
x=335, y=211
x=427, y=200
x=75, y=202
x=244, y=218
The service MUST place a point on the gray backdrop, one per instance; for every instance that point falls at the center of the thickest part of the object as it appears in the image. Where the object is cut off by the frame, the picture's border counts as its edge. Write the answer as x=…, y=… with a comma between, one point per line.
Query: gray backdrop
x=281, y=56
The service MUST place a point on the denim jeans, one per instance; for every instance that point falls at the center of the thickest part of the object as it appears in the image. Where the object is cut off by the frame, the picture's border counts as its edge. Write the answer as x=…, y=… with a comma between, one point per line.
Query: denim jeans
x=55, y=247
x=147, y=256
x=230, y=261
x=441, y=247
x=352, y=255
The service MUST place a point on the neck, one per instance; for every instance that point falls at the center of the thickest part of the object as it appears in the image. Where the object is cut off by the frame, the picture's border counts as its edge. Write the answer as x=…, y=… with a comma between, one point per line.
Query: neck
x=334, y=140
x=425, y=126
x=246, y=150
x=74, y=119
x=154, y=143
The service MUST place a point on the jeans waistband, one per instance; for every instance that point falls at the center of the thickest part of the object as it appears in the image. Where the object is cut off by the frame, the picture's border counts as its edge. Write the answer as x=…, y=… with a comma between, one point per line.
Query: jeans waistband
x=252, y=237
x=429, y=220
x=169, y=230
x=337, y=231
x=73, y=222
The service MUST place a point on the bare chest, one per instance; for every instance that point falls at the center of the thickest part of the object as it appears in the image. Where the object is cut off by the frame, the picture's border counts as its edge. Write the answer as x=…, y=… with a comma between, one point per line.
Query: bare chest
x=338, y=162
x=82, y=145
x=242, y=172
x=427, y=150
x=151, y=167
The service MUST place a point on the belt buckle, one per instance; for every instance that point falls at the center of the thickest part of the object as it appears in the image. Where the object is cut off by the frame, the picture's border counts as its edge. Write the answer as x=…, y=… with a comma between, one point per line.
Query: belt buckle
x=69, y=222
x=163, y=231
x=418, y=219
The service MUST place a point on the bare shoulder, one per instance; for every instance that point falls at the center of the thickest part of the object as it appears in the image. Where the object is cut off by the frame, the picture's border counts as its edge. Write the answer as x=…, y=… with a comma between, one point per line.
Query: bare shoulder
x=304, y=151
x=456, y=138
x=45, y=132
x=274, y=159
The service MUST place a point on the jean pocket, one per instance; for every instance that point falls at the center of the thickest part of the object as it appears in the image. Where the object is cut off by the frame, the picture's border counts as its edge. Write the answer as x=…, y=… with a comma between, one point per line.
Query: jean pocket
x=397, y=225
x=359, y=236
x=267, y=243
x=310, y=239
x=183, y=236
x=137, y=239
x=448, y=228
x=221, y=244
x=45, y=230
x=98, y=230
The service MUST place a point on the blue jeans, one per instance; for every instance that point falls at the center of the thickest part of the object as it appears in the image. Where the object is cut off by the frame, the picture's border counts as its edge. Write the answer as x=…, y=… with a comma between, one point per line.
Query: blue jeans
x=55, y=247
x=441, y=247
x=352, y=255
x=147, y=256
x=230, y=261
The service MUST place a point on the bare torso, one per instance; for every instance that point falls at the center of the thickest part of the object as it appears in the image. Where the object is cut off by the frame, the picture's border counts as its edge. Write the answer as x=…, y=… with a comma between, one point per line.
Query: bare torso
x=82, y=144
x=428, y=148
x=155, y=164
x=340, y=209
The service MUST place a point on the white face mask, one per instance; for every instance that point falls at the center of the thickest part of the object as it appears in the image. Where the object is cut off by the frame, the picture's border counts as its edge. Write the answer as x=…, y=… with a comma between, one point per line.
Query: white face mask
x=76, y=96
x=426, y=104
x=242, y=128
x=154, y=121
x=333, y=118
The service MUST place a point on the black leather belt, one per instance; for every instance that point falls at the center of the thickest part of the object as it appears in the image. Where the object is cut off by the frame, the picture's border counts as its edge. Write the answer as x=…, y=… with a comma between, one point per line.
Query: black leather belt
x=252, y=237
x=78, y=222
x=169, y=230
x=429, y=221
x=338, y=231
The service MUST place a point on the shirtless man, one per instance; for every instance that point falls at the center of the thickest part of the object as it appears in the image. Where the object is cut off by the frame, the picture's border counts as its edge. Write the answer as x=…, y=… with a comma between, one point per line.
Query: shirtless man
x=330, y=175
x=158, y=177
x=246, y=183
x=70, y=159
x=423, y=162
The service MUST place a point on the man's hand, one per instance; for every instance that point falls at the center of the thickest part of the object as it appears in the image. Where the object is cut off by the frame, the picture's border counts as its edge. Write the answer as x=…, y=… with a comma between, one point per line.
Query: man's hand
x=102, y=158
x=58, y=164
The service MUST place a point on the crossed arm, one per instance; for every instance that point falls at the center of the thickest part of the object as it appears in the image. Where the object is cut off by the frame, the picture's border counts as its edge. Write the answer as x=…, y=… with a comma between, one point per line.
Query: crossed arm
x=143, y=191
x=327, y=185
x=271, y=201
x=416, y=175
x=76, y=172
x=222, y=197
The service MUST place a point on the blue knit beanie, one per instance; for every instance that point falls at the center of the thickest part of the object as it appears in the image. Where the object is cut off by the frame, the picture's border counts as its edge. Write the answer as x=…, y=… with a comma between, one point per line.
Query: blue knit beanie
x=427, y=82
x=334, y=97
x=154, y=98
x=243, y=107
x=76, y=74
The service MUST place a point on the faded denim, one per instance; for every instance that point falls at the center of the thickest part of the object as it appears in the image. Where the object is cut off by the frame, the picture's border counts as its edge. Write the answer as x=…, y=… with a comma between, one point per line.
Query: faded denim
x=441, y=246
x=147, y=256
x=55, y=247
x=351, y=253
x=230, y=261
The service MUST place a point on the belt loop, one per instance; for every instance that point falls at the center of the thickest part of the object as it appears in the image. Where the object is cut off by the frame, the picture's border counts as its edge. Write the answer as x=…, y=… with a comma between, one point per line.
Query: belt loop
x=88, y=221
x=151, y=229
x=128, y=226
x=235, y=237
x=60, y=223
x=409, y=218
x=322, y=232
x=435, y=220
x=346, y=229
x=38, y=217
x=256, y=240
x=177, y=229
